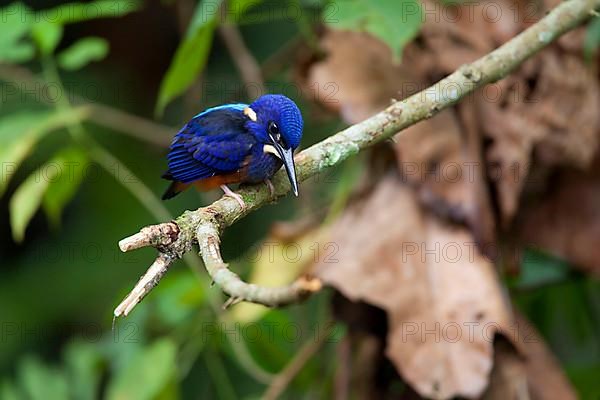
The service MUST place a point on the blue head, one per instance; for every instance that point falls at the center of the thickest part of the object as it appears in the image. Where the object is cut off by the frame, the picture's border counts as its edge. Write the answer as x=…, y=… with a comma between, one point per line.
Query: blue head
x=277, y=123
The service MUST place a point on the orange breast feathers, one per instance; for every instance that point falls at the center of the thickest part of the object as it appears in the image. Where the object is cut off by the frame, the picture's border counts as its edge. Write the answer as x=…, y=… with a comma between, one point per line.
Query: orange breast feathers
x=205, y=184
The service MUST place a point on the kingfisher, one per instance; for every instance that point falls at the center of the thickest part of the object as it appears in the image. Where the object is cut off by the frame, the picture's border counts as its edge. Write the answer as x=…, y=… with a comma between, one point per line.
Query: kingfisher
x=236, y=143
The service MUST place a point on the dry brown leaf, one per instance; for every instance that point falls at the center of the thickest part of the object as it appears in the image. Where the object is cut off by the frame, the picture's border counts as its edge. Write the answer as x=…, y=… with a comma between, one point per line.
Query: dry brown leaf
x=455, y=189
x=567, y=221
x=357, y=78
x=430, y=159
x=508, y=380
x=545, y=112
x=552, y=121
x=444, y=168
x=545, y=376
x=428, y=277
x=457, y=34
x=533, y=373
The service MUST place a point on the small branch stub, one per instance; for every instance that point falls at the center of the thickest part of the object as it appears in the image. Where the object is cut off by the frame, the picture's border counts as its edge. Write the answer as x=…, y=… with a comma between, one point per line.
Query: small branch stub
x=146, y=283
x=161, y=235
x=165, y=236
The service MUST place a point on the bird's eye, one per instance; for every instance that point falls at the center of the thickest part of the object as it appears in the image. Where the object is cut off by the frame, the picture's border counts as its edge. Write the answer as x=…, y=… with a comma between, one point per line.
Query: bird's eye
x=274, y=130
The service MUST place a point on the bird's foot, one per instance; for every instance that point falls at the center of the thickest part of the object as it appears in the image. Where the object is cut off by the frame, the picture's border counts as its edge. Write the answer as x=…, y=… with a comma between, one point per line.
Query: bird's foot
x=235, y=196
x=271, y=188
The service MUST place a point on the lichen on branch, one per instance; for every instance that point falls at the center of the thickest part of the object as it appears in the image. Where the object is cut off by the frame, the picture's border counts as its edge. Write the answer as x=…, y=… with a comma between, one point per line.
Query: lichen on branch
x=205, y=225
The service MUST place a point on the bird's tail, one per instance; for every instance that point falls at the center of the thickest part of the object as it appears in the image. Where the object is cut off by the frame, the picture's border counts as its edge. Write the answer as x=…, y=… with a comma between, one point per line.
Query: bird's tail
x=174, y=188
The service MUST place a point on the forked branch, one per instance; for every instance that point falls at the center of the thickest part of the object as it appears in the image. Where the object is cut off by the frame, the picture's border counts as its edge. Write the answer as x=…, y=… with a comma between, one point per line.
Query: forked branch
x=205, y=225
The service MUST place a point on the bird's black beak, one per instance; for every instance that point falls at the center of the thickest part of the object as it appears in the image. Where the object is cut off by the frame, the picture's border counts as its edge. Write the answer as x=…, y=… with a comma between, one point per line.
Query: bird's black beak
x=287, y=156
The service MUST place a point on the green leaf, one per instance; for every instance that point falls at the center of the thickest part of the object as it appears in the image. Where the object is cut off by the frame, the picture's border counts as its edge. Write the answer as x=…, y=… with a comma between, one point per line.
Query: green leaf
x=18, y=135
x=314, y=3
x=14, y=25
x=178, y=298
x=592, y=39
x=70, y=13
x=539, y=268
x=41, y=382
x=236, y=9
x=395, y=22
x=147, y=375
x=8, y=391
x=46, y=36
x=20, y=132
x=585, y=380
x=18, y=54
x=83, y=363
x=82, y=52
x=46, y=26
x=71, y=164
x=190, y=57
x=27, y=199
x=54, y=184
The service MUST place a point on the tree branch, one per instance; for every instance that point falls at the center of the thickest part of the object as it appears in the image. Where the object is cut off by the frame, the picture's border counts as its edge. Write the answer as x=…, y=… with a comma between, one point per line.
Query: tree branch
x=287, y=375
x=205, y=225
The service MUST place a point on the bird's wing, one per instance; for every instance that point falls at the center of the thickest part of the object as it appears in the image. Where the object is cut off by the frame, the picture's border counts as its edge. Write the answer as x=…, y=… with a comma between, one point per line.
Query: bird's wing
x=213, y=142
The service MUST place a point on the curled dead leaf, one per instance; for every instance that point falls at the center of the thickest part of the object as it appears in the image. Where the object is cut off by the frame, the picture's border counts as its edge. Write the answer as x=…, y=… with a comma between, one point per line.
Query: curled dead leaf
x=443, y=166
x=545, y=113
x=531, y=373
x=362, y=87
x=441, y=296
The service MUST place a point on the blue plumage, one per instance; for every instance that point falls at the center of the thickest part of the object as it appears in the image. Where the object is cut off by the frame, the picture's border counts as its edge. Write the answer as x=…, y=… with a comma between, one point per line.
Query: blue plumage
x=236, y=143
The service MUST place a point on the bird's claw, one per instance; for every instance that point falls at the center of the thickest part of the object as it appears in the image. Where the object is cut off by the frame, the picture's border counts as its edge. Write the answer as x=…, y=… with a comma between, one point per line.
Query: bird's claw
x=228, y=192
x=271, y=188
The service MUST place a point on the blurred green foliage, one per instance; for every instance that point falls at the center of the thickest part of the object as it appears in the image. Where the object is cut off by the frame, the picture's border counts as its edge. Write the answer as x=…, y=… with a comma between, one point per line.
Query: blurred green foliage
x=82, y=52
x=25, y=30
x=62, y=283
x=191, y=55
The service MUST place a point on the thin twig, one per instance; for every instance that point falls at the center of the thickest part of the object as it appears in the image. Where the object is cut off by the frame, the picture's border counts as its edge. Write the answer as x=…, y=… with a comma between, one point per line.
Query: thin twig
x=285, y=377
x=281, y=57
x=223, y=385
x=342, y=373
x=150, y=236
x=244, y=61
x=146, y=283
x=100, y=114
x=129, y=124
x=205, y=225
